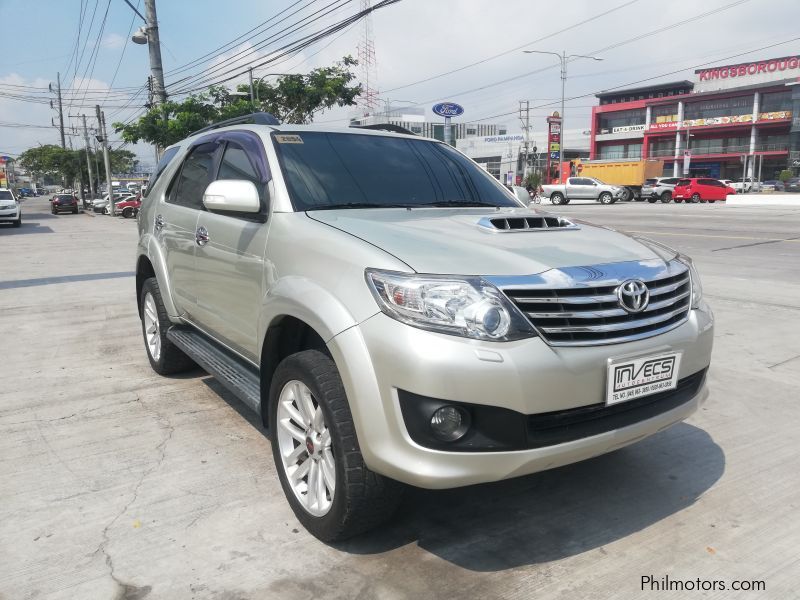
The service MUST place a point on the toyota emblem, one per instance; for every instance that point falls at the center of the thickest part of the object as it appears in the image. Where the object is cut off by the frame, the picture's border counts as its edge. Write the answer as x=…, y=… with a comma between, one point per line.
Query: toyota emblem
x=633, y=295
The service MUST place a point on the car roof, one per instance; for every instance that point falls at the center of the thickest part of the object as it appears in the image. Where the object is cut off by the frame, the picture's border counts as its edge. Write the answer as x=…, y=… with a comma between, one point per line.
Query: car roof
x=291, y=128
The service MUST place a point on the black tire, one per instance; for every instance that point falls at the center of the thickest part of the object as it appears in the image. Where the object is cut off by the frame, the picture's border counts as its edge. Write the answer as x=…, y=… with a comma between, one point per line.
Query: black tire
x=557, y=199
x=666, y=197
x=652, y=200
x=75, y=212
x=171, y=359
x=127, y=212
x=567, y=200
x=696, y=198
x=606, y=198
x=18, y=222
x=362, y=499
x=627, y=195
x=711, y=201
x=678, y=200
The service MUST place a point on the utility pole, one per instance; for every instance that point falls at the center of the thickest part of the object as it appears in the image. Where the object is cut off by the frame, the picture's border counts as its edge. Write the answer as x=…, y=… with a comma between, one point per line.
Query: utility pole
x=252, y=93
x=527, y=122
x=60, y=111
x=101, y=119
x=88, y=158
x=154, y=46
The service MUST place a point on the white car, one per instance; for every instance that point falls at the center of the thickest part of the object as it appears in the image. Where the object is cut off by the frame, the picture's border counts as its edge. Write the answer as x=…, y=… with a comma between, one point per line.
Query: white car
x=747, y=185
x=10, y=210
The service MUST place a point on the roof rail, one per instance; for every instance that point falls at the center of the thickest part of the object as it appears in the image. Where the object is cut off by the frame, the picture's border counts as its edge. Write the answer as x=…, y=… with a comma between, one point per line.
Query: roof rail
x=256, y=118
x=386, y=127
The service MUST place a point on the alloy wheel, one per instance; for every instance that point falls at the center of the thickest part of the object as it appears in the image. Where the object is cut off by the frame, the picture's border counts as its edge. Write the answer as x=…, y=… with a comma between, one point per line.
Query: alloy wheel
x=304, y=442
x=152, y=332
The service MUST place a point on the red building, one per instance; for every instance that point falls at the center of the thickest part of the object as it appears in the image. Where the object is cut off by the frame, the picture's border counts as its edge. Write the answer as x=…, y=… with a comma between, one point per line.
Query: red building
x=732, y=120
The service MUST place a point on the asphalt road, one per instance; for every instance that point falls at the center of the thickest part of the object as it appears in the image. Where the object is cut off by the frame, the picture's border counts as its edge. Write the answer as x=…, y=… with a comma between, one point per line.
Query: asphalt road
x=118, y=483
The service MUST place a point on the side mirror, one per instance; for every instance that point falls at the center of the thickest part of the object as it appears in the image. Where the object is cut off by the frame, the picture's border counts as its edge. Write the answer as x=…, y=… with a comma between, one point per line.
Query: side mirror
x=234, y=195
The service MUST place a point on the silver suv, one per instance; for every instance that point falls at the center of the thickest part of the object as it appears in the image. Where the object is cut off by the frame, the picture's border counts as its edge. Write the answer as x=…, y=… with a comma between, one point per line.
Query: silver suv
x=659, y=188
x=397, y=317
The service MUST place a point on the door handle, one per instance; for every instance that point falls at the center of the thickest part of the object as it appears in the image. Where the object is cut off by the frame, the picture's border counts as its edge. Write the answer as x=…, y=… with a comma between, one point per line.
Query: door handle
x=159, y=223
x=201, y=236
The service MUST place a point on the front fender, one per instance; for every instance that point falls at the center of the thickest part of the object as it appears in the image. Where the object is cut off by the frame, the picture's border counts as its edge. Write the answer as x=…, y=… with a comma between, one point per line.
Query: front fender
x=153, y=252
x=309, y=302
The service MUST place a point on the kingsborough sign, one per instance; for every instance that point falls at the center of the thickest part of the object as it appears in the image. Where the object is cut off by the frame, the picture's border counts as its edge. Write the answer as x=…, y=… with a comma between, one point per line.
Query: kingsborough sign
x=773, y=69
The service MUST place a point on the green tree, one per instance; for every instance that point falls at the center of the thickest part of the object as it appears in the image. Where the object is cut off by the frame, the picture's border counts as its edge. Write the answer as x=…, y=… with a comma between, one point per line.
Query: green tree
x=291, y=98
x=69, y=166
x=532, y=180
x=785, y=174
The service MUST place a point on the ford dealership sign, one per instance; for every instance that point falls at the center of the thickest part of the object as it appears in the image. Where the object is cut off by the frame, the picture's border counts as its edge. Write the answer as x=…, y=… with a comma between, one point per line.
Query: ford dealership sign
x=448, y=109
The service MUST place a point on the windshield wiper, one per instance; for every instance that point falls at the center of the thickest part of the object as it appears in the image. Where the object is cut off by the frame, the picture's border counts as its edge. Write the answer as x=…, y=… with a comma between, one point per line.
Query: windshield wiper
x=457, y=203
x=357, y=205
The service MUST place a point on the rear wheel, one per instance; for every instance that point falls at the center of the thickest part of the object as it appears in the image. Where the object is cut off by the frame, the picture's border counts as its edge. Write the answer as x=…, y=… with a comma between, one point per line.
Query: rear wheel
x=666, y=197
x=606, y=198
x=127, y=212
x=557, y=199
x=317, y=455
x=652, y=200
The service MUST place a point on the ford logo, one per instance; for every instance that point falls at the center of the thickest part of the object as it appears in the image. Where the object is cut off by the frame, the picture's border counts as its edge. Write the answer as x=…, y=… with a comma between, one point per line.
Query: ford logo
x=448, y=109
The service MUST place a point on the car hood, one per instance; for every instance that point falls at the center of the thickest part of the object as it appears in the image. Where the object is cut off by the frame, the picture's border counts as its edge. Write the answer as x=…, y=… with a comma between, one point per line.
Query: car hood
x=433, y=240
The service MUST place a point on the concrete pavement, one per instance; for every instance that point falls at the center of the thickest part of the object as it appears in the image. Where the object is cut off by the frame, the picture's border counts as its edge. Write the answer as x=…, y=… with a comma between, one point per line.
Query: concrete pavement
x=118, y=483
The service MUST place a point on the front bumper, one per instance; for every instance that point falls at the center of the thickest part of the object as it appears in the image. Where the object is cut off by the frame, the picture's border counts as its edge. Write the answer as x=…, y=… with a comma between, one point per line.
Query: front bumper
x=382, y=358
x=10, y=214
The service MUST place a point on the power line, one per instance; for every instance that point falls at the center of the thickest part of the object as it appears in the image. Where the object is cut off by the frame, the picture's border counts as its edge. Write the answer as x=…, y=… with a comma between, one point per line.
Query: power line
x=295, y=46
x=293, y=28
x=125, y=45
x=512, y=50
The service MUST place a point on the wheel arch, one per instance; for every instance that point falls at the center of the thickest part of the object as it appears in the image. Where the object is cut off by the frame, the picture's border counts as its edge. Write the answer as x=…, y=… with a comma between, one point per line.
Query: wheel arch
x=151, y=263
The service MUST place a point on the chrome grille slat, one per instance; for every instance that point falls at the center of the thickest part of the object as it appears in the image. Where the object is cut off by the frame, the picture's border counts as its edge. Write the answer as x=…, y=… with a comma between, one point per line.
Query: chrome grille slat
x=587, y=315
x=615, y=326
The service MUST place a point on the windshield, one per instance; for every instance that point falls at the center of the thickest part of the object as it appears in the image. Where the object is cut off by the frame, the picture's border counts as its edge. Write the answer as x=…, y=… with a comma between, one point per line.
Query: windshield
x=341, y=170
x=6, y=195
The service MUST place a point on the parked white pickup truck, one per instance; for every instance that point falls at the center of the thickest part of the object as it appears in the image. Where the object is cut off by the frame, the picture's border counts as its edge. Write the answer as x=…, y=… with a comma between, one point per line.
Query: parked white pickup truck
x=744, y=186
x=583, y=188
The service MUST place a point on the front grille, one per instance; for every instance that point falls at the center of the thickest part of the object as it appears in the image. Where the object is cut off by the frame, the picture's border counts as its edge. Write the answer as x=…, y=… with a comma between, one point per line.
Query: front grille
x=558, y=427
x=582, y=316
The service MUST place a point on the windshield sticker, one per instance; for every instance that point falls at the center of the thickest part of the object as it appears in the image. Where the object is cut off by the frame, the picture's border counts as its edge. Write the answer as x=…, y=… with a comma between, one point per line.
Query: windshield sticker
x=288, y=139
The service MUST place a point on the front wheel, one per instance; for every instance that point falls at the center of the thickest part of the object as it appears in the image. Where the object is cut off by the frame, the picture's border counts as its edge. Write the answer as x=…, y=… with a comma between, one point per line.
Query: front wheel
x=317, y=454
x=557, y=199
x=18, y=222
x=606, y=198
x=165, y=357
x=696, y=198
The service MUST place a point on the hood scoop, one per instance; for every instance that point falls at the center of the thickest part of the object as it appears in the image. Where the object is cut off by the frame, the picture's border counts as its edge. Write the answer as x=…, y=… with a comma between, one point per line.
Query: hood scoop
x=517, y=223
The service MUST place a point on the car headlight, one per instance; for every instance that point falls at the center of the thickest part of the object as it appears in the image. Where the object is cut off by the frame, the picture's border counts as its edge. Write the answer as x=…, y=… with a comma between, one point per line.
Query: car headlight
x=464, y=306
x=694, y=277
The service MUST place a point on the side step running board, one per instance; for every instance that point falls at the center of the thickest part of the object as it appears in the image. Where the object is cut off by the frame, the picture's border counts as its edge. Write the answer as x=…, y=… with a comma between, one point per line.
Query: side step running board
x=231, y=371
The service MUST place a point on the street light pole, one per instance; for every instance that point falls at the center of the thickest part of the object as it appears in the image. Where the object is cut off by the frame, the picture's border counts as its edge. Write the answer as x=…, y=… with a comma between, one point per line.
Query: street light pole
x=154, y=46
x=563, y=58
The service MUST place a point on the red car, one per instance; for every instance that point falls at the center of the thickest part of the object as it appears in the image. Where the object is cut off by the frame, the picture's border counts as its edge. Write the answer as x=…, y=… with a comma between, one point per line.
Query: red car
x=62, y=202
x=699, y=189
x=129, y=207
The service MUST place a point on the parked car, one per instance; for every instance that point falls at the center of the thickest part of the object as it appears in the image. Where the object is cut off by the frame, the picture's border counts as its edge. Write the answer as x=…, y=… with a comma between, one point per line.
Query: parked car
x=772, y=185
x=101, y=205
x=743, y=186
x=520, y=193
x=10, y=209
x=792, y=185
x=129, y=207
x=700, y=189
x=64, y=202
x=659, y=188
x=397, y=317
x=584, y=188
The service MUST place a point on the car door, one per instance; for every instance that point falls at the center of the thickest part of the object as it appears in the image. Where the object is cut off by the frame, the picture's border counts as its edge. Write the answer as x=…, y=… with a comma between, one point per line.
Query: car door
x=229, y=262
x=176, y=223
x=707, y=189
x=575, y=188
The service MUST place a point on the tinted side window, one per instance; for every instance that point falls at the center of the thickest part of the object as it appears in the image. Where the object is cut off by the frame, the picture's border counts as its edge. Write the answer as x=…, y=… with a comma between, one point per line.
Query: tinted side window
x=166, y=158
x=683, y=182
x=236, y=164
x=194, y=177
x=706, y=182
x=670, y=181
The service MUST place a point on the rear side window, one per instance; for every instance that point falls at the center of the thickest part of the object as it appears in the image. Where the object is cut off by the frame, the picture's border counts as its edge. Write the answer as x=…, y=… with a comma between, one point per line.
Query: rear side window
x=670, y=181
x=707, y=182
x=684, y=181
x=194, y=177
x=166, y=158
x=650, y=181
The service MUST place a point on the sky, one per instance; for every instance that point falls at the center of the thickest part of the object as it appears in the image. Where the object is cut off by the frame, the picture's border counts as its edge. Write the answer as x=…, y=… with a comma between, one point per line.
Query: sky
x=417, y=45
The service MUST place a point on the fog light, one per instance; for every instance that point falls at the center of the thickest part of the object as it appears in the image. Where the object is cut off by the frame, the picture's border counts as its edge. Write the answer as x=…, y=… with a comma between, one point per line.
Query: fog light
x=450, y=423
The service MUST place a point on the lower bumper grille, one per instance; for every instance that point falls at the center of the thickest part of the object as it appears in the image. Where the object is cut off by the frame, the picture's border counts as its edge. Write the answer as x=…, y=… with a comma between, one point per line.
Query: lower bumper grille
x=548, y=429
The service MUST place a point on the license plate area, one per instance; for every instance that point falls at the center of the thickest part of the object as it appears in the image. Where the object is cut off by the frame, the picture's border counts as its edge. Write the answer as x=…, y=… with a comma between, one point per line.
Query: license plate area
x=632, y=378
